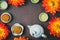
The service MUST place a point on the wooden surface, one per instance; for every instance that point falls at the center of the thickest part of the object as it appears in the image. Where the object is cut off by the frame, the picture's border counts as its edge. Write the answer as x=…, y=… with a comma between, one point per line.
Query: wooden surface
x=28, y=15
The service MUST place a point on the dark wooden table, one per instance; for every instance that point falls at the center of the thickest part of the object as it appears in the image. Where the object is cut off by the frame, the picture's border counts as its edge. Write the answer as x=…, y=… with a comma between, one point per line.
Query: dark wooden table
x=28, y=15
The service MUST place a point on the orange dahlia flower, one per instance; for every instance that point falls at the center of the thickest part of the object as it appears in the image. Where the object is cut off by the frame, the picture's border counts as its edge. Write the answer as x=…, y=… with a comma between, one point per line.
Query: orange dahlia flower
x=51, y=5
x=16, y=2
x=54, y=27
x=59, y=7
x=21, y=38
x=3, y=31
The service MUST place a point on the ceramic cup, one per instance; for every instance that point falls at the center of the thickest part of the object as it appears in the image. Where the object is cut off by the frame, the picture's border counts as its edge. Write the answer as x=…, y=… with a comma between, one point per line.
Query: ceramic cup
x=3, y=5
x=7, y=14
x=35, y=1
x=17, y=24
x=43, y=17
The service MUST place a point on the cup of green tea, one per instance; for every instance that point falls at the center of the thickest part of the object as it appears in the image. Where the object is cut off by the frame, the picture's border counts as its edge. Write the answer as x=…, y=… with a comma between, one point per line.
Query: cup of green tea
x=3, y=5
x=35, y=1
x=43, y=17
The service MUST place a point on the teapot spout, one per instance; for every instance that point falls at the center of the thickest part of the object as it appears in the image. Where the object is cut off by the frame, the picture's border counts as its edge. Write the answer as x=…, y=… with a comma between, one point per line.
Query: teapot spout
x=29, y=26
x=44, y=36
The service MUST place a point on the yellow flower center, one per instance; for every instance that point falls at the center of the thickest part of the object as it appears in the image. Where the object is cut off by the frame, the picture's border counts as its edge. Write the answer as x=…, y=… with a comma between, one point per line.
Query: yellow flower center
x=1, y=32
x=57, y=27
x=53, y=3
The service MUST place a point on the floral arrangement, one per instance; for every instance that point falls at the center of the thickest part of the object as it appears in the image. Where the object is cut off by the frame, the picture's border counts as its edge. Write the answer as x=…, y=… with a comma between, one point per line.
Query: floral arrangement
x=54, y=26
x=16, y=2
x=21, y=38
x=51, y=6
x=59, y=7
x=4, y=32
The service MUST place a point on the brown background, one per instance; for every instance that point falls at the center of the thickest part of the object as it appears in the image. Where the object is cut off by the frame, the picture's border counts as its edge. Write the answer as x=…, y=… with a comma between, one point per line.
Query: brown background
x=28, y=15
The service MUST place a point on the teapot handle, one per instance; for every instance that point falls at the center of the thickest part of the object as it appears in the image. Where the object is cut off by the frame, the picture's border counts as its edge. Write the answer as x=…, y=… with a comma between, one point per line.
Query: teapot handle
x=44, y=36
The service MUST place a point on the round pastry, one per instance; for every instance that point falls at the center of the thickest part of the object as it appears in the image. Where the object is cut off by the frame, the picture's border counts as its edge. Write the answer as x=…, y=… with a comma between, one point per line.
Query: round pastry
x=43, y=17
x=35, y=1
x=17, y=29
x=5, y=17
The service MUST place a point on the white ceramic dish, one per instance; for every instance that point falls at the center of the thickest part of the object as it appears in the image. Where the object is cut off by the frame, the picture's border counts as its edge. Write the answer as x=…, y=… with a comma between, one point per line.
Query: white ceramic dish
x=17, y=24
x=43, y=17
x=8, y=14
